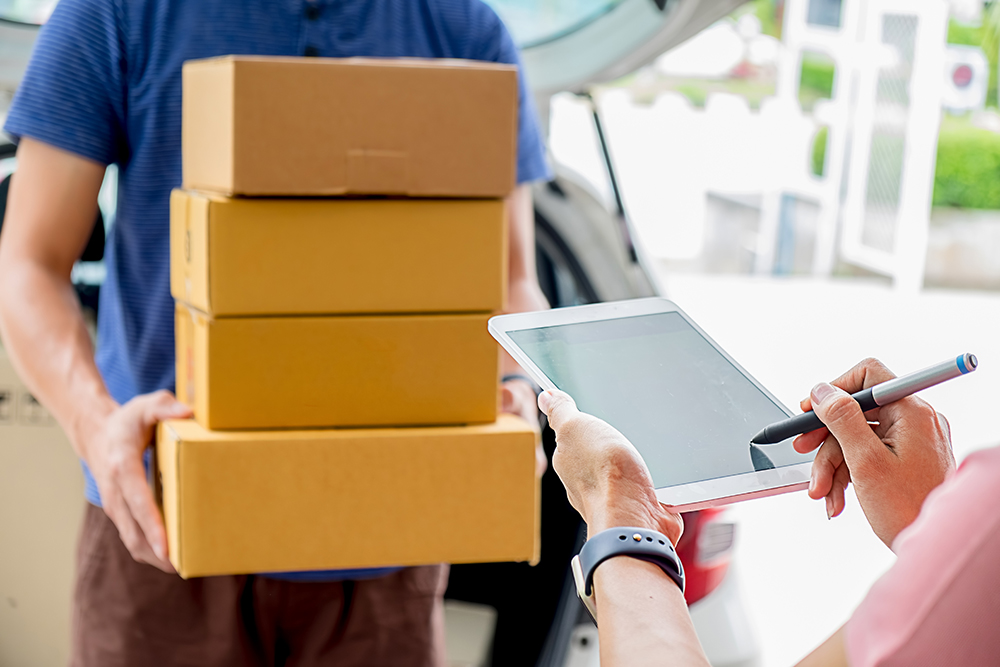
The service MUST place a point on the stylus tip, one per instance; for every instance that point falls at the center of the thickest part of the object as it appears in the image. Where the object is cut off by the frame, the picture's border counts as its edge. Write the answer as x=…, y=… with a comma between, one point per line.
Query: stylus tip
x=759, y=459
x=759, y=439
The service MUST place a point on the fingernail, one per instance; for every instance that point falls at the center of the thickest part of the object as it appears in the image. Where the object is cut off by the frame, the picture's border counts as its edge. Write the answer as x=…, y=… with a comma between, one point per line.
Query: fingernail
x=544, y=401
x=821, y=392
x=160, y=550
x=812, y=483
x=829, y=508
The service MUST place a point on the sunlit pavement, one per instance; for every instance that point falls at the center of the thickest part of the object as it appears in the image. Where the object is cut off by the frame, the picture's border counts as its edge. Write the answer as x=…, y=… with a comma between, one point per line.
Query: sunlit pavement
x=801, y=574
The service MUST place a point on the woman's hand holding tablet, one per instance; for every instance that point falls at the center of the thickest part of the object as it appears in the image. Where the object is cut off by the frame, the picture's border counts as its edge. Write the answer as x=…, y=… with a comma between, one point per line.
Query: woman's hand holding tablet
x=606, y=480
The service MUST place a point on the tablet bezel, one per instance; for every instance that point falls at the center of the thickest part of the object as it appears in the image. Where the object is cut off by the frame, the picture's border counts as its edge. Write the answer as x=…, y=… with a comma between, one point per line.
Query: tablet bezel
x=682, y=497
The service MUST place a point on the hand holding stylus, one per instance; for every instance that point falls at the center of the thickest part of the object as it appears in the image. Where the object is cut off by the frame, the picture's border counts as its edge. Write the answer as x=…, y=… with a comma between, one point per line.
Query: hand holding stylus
x=872, y=397
x=893, y=463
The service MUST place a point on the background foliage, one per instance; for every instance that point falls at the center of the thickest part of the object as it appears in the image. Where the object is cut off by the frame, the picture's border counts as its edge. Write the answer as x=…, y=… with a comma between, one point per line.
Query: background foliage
x=968, y=166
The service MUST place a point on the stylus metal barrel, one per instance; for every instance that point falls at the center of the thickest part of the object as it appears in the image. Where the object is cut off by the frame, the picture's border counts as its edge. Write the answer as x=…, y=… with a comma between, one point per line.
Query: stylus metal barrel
x=897, y=388
x=873, y=397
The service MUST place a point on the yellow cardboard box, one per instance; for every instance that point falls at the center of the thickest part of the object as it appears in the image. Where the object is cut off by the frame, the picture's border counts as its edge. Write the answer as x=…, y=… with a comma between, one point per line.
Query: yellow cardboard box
x=324, y=256
x=266, y=501
x=320, y=126
x=357, y=370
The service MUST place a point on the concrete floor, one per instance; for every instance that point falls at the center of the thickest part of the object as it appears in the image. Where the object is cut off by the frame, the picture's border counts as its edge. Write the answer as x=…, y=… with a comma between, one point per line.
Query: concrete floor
x=801, y=574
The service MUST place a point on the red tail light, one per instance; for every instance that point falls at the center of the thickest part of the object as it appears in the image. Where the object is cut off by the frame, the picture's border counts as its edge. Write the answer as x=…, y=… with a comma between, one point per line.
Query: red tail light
x=705, y=550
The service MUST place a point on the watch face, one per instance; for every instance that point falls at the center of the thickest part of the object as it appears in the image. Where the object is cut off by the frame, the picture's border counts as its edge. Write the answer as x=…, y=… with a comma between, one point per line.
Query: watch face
x=581, y=587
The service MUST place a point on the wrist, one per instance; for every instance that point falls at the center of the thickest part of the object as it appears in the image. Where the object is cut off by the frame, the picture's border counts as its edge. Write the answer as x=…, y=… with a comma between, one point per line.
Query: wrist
x=624, y=496
x=637, y=513
x=90, y=420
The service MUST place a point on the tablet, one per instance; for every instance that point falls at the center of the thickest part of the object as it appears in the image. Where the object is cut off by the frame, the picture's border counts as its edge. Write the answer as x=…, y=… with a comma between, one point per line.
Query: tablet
x=647, y=369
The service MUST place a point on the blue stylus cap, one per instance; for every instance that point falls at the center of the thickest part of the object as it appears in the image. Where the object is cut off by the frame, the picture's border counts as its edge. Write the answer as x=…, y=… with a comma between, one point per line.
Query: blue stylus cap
x=967, y=362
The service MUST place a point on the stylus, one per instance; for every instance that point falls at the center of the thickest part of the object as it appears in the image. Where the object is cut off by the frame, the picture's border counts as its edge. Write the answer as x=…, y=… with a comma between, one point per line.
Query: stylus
x=871, y=398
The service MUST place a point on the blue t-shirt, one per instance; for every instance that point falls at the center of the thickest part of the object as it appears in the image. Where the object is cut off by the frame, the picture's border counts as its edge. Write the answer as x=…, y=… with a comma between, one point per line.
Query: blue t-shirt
x=104, y=82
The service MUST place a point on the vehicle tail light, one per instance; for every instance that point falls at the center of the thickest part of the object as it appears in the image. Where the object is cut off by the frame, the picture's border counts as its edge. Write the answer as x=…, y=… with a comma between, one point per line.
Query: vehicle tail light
x=705, y=550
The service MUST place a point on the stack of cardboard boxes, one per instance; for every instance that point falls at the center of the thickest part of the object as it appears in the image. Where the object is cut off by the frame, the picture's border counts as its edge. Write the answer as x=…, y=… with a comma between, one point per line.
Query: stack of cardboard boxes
x=336, y=251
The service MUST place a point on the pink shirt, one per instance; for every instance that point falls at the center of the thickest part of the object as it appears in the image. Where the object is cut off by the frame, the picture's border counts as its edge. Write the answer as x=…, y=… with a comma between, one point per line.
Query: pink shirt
x=940, y=602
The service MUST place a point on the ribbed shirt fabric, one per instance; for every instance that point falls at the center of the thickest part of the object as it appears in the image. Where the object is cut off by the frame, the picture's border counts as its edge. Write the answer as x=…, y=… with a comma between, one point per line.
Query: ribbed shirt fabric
x=939, y=604
x=104, y=82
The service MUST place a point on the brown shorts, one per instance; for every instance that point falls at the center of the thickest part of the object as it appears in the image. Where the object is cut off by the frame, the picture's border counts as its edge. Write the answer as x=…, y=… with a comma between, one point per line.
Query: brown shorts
x=130, y=614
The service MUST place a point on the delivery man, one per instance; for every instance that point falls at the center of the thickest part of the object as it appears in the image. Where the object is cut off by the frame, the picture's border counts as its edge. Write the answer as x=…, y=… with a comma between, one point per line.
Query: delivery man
x=103, y=87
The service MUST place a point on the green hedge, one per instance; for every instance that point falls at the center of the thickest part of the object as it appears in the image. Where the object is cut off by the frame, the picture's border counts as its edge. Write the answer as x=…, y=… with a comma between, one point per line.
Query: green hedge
x=816, y=79
x=968, y=166
x=819, y=151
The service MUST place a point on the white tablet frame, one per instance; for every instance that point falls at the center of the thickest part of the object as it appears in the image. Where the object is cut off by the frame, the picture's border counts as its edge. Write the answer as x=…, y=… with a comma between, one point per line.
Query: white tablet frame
x=683, y=497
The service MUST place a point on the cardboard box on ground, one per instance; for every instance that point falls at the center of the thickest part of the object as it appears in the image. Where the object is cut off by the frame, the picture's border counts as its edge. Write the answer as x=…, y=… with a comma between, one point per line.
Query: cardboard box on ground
x=41, y=503
x=343, y=312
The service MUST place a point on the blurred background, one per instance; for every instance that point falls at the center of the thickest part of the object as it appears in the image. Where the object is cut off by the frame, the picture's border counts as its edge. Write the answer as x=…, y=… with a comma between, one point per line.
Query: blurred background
x=813, y=181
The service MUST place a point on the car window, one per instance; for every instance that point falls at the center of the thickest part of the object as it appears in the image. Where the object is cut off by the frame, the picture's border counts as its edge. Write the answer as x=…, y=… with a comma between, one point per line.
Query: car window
x=533, y=22
x=34, y=12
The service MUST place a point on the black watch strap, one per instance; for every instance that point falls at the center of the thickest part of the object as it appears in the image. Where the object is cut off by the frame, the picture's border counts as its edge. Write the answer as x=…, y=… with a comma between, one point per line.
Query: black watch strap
x=647, y=545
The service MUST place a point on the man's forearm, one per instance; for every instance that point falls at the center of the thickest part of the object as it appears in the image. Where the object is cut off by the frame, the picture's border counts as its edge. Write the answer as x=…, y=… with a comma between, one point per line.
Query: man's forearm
x=50, y=214
x=642, y=617
x=44, y=332
x=523, y=291
x=524, y=295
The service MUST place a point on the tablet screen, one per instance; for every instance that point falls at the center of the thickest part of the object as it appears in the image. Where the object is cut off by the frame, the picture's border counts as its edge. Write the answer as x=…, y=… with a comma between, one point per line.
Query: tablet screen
x=684, y=406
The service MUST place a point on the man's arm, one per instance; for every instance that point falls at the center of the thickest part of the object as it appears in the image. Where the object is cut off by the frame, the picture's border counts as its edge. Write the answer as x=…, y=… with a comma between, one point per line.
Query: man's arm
x=50, y=212
x=50, y=215
x=523, y=294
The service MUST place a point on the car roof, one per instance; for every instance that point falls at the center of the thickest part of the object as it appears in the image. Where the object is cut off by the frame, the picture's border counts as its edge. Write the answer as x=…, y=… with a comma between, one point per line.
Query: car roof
x=566, y=44
x=572, y=44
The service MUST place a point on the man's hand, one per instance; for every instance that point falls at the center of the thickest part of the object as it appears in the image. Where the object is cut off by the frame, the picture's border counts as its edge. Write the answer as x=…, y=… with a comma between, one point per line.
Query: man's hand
x=114, y=454
x=605, y=477
x=895, y=455
x=517, y=397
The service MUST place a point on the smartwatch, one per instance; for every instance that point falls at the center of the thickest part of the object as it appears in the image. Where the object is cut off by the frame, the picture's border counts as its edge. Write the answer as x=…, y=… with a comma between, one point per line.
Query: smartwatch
x=647, y=545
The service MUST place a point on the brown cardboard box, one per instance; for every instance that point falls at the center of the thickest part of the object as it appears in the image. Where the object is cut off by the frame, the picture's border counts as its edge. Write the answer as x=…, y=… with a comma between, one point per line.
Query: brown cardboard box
x=41, y=504
x=322, y=126
x=324, y=256
x=358, y=370
x=264, y=501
